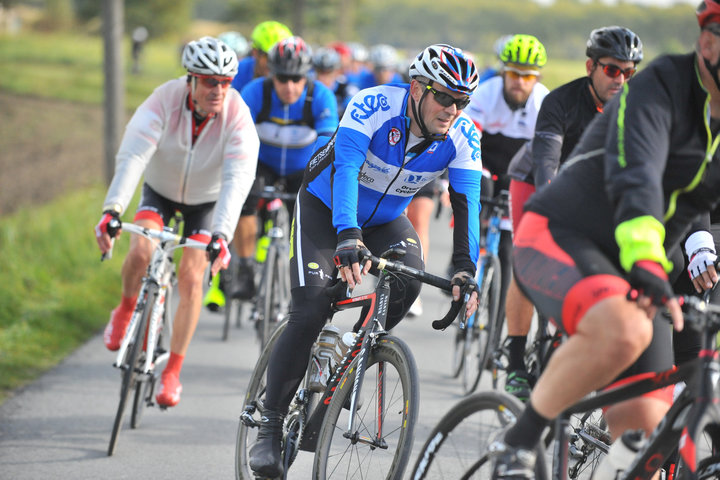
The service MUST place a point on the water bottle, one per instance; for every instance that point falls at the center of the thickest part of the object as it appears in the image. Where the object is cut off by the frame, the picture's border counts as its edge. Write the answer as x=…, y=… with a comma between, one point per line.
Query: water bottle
x=620, y=455
x=324, y=357
x=261, y=249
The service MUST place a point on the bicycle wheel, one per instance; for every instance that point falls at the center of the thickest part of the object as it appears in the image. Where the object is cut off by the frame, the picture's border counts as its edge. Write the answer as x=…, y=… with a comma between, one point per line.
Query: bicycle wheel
x=252, y=410
x=384, y=418
x=458, y=356
x=130, y=363
x=485, y=337
x=268, y=306
x=456, y=447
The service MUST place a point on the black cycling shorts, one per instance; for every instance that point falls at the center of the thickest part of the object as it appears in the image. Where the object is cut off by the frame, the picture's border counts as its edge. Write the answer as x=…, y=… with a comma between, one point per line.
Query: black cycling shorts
x=155, y=207
x=267, y=176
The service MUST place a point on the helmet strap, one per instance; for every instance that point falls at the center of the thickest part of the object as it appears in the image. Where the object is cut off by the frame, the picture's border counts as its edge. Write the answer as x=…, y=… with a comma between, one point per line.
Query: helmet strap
x=598, y=101
x=421, y=123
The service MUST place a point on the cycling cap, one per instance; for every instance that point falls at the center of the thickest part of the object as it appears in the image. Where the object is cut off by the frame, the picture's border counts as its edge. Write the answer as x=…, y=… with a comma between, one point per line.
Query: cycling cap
x=616, y=42
x=524, y=50
x=210, y=56
x=383, y=56
x=499, y=44
x=267, y=34
x=290, y=56
x=236, y=41
x=448, y=66
x=325, y=59
x=708, y=12
x=359, y=52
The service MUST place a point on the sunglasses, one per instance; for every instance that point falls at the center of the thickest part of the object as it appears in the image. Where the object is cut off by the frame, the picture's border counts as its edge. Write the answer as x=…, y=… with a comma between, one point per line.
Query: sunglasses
x=212, y=82
x=515, y=74
x=289, y=78
x=445, y=99
x=613, y=71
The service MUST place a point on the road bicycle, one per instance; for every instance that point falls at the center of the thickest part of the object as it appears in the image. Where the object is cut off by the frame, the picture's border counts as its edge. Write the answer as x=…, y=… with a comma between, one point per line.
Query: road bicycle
x=691, y=426
x=145, y=347
x=361, y=424
x=272, y=302
x=478, y=337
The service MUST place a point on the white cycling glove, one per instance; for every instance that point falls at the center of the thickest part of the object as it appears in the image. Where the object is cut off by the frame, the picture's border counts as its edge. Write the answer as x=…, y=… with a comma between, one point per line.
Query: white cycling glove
x=700, y=249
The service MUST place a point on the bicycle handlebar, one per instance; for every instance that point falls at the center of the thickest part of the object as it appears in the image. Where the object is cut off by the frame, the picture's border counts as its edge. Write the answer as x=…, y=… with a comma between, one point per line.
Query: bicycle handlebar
x=339, y=290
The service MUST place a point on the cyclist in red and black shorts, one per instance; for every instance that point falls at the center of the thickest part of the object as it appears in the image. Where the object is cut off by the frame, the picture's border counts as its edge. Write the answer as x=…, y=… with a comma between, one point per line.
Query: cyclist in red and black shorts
x=613, y=54
x=608, y=226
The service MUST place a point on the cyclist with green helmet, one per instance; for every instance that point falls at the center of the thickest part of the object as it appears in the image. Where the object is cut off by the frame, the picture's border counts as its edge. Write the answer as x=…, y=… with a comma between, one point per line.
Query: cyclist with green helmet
x=263, y=37
x=505, y=109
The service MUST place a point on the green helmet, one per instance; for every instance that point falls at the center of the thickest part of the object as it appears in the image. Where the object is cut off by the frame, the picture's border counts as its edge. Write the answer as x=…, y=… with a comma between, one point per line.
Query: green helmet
x=267, y=34
x=524, y=50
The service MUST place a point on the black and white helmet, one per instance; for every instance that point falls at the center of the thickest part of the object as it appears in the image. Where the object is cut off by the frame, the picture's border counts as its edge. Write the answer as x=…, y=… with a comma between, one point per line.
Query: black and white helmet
x=448, y=66
x=290, y=56
x=210, y=56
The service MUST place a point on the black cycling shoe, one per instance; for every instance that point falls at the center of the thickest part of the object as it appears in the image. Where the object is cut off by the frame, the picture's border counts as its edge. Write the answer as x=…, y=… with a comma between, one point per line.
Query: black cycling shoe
x=245, y=282
x=519, y=383
x=265, y=457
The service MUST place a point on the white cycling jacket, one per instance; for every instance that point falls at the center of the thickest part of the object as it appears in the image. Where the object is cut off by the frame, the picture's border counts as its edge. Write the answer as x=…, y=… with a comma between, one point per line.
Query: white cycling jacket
x=220, y=167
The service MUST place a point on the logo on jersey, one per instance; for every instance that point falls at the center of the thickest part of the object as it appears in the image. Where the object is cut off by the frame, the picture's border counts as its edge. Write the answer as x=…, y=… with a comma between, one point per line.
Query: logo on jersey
x=394, y=136
x=376, y=167
x=432, y=148
x=370, y=105
x=413, y=178
x=467, y=128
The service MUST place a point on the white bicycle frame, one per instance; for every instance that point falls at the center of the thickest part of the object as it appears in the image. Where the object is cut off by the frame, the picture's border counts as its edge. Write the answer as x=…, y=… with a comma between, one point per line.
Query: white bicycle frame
x=160, y=273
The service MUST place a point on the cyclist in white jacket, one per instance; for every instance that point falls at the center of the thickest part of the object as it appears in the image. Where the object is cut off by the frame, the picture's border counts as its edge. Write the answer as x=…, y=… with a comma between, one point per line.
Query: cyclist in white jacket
x=195, y=142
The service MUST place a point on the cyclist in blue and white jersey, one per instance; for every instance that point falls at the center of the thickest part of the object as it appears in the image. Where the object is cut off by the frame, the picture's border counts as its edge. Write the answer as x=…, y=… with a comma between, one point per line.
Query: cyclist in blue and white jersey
x=392, y=140
x=290, y=112
x=263, y=37
x=383, y=60
x=505, y=108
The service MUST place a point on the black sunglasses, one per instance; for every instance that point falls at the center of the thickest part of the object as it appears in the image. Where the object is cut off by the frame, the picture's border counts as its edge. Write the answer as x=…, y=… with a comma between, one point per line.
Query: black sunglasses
x=613, y=71
x=289, y=78
x=445, y=99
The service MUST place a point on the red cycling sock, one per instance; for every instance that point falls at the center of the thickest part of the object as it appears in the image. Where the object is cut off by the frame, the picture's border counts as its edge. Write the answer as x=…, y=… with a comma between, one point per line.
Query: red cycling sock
x=174, y=364
x=128, y=303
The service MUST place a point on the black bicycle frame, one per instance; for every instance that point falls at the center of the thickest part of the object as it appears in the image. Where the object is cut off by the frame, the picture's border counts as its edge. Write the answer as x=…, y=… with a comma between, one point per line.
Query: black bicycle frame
x=681, y=421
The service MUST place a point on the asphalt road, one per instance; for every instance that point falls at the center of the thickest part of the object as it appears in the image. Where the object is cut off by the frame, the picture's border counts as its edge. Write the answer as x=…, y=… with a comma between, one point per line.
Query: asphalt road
x=59, y=426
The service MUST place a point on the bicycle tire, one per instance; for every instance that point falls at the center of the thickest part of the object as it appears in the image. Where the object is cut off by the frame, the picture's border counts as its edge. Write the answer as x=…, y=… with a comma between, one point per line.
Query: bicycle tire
x=129, y=371
x=254, y=396
x=488, y=325
x=269, y=279
x=458, y=357
x=400, y=399
x=455, y=445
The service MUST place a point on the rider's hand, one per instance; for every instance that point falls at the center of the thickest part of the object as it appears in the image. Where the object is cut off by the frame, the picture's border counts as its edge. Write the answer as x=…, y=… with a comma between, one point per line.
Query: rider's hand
x=104, y=232
x=460, y=282
x=650, y=288
x=700, y=250
x=347, y=257
x=218, y=253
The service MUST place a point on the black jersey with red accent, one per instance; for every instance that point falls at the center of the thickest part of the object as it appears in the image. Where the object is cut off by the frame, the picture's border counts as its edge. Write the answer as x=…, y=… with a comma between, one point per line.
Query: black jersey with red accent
x=650, y=153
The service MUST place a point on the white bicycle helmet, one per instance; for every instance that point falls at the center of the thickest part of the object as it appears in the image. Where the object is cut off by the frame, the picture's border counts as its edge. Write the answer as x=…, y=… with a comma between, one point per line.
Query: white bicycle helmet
x=210, y=56
x=448, y=66
x=383, y=56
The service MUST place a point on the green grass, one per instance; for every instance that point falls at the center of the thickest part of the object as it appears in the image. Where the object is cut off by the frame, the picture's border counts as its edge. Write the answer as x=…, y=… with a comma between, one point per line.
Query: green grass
x=70, y=67
x=56, y=293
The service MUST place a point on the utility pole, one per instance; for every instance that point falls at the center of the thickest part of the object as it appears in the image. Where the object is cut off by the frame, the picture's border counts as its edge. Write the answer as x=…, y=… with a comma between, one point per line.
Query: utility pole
x=114, y=89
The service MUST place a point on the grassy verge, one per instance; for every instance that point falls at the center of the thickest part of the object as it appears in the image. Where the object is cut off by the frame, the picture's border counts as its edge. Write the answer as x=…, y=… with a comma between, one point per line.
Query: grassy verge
x=56, y=294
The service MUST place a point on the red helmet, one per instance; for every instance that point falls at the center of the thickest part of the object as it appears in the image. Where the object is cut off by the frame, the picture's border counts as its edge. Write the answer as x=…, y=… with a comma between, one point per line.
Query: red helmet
x=708, y=12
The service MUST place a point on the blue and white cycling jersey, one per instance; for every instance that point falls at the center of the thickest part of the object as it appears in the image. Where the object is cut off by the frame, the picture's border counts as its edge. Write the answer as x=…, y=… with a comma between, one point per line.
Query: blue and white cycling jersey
x=287, y=138
x=367, y=173
x=245, y=74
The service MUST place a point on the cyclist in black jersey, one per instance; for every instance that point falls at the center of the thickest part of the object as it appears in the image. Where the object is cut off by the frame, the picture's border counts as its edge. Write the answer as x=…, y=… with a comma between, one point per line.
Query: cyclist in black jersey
x=613, y=55
x=606, y=227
